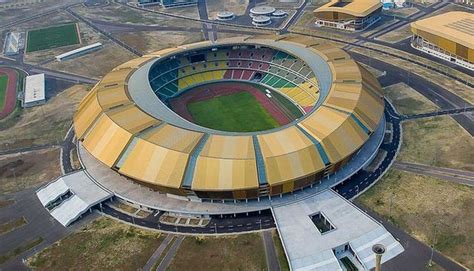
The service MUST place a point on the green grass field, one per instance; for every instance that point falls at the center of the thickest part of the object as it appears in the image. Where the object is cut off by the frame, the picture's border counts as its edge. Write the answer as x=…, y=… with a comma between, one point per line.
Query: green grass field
x=239, y=112
x=52, y=37
x=3, y=89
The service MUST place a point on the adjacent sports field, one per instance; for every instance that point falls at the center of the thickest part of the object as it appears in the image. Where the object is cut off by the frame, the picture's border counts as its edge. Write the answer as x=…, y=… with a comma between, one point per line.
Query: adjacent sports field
x=239, y=112
x=52, y=37
x=8, y=88
x=3, y=89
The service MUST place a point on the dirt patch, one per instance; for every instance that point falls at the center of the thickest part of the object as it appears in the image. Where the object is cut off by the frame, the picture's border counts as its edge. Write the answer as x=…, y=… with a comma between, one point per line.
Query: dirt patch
x=438, y=141
x=408, y=101
x=433, y=211
x=401, y=12
x=221, y=253
x=104, y=244
x=95, y=64
x=22, y=171
x=397, y=35
x=151, y=41
x=46, y=124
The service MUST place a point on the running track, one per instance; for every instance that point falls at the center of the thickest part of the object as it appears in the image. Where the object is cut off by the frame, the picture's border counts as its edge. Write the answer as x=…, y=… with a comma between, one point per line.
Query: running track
x=10, y=95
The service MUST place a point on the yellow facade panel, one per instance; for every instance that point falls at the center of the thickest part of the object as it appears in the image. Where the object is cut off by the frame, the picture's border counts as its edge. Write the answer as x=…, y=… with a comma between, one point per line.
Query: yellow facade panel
x=291, y=166
x=88, y=111
x=163, y=167
x=282, y=142
x=229, y=147
x=134, y=63
x=116, y=77
x=214, y=174
x=174, y=138
x=112, y=96
x=131, y=118
x=106, y=140
x=357, y=8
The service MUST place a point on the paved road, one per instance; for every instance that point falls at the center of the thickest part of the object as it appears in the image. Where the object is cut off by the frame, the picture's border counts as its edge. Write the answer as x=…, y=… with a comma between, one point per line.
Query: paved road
x=202, y=9
x=171, y=252
x=439, y=113
x=435, y=93
x=51, y=10
x=40, y=224
x=28, y=149
x=108, y=35
x=67, y=146
x=157, y=254
x=225, y=224
x=448, y=174
x=272, y=260
x=364, y=179
x=416, y=255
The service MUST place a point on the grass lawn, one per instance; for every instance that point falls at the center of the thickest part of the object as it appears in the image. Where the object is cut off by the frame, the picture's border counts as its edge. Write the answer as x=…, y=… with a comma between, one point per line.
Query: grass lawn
x=239, y=112
x=3, y=89
x=52, y=37
x=437, y=141
x=238, y=252
x=18, y=250
x=280, y=252
x=104, y=244
x=12, y=225
x=408, y=101
x=431, y=210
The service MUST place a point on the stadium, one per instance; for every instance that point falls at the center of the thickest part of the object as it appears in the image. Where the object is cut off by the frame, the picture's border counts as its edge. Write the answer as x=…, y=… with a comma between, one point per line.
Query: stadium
x=240, y=118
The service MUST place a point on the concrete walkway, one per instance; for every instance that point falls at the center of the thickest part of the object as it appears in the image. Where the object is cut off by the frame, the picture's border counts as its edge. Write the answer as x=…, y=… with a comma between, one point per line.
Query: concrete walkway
x=272, y=260
x=156, y=255
x=169, y=256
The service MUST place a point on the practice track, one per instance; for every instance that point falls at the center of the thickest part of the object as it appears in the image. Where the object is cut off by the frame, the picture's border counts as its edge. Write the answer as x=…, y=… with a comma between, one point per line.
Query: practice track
x=10, y=95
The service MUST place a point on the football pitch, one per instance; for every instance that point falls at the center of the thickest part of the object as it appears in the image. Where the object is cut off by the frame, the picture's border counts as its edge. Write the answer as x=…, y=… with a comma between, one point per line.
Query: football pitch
x=239, y=112
x=3, y=89
x=52, y=37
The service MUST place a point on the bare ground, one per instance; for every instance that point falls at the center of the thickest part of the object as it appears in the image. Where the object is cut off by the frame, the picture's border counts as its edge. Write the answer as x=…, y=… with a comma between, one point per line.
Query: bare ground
x=220, y=253
x=45, y=124
x=437, y=141
x=22, y=171
x=408, y=101
x=433, y=211
x=104, y=244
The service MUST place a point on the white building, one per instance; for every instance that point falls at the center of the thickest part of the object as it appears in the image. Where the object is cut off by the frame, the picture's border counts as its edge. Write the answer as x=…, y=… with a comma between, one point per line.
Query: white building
x=34, y=90
x=79, y=51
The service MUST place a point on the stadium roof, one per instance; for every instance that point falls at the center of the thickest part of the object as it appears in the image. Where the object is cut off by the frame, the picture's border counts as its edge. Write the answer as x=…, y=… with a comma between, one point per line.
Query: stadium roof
x=357, y=8
x=456, y=26
x=127, y=127
x=34, y=89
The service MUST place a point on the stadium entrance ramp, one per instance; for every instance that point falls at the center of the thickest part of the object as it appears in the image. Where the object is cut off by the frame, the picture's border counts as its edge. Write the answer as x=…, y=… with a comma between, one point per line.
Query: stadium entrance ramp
x=70, y=196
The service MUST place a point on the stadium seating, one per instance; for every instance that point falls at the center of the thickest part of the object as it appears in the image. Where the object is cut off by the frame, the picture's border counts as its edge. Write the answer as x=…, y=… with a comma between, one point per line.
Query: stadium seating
x=275, y=69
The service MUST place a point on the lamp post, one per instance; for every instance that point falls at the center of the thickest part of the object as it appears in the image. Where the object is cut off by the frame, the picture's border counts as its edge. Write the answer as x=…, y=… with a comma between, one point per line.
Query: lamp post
x=379, y=250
